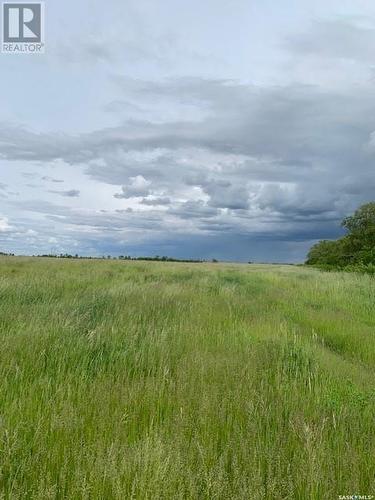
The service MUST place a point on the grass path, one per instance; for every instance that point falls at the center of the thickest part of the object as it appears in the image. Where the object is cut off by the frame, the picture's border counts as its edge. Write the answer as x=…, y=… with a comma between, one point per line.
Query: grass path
x=175, y=381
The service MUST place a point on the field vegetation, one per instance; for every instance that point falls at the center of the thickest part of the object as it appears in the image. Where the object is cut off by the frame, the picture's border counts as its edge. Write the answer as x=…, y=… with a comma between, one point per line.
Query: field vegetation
x=150, y=380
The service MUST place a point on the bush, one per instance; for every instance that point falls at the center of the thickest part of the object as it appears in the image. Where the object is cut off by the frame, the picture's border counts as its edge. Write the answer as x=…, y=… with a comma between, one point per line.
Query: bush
x=361, y=268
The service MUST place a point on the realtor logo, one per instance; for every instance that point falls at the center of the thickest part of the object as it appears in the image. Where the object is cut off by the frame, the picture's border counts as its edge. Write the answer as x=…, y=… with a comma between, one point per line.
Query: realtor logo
x=23, y=28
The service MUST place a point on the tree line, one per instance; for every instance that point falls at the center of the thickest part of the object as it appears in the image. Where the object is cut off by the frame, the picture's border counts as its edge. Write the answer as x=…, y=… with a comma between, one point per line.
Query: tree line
x=156, y=258
x=353, y=252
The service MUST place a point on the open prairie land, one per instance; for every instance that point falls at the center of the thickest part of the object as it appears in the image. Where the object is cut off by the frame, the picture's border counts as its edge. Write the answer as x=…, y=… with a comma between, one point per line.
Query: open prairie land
x=123, y=380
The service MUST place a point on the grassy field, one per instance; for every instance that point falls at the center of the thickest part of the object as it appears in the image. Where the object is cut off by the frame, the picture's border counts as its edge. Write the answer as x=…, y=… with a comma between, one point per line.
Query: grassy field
x=125, y=380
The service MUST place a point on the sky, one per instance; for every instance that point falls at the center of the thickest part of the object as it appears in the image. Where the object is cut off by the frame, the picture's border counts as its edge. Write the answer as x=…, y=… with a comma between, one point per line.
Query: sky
x=238, y=130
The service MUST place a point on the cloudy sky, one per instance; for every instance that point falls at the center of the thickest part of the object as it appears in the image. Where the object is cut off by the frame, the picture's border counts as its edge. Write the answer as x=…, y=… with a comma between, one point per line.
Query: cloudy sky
x=237, y=130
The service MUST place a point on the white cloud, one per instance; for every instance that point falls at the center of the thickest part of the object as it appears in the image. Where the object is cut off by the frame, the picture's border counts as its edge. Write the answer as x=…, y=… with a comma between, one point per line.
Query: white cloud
x=4, y=226
x=137, y=186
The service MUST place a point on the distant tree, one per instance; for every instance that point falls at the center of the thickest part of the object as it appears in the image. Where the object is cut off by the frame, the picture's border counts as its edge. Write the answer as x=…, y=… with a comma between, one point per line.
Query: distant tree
x=356, y=248
x=362, y=222
x=326, y=252
x=360, y=241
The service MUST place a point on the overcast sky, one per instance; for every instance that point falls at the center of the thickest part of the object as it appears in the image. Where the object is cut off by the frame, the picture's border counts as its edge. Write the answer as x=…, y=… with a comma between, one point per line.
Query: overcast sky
x=236, y=130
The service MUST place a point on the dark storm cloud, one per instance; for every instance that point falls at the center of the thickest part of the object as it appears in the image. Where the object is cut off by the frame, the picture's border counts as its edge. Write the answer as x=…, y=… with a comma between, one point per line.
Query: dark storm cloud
x=284, y=161
x=290, y=125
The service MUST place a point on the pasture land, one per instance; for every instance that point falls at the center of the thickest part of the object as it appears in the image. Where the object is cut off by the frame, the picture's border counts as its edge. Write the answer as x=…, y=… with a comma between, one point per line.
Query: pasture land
x=123, y=380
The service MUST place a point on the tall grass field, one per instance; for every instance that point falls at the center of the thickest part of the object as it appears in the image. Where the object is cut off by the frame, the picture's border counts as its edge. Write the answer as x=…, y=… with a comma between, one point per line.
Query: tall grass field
x=143, y=380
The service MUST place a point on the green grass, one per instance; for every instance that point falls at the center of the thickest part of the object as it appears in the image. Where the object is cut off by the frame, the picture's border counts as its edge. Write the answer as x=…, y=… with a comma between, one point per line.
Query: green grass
x=124, y=380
